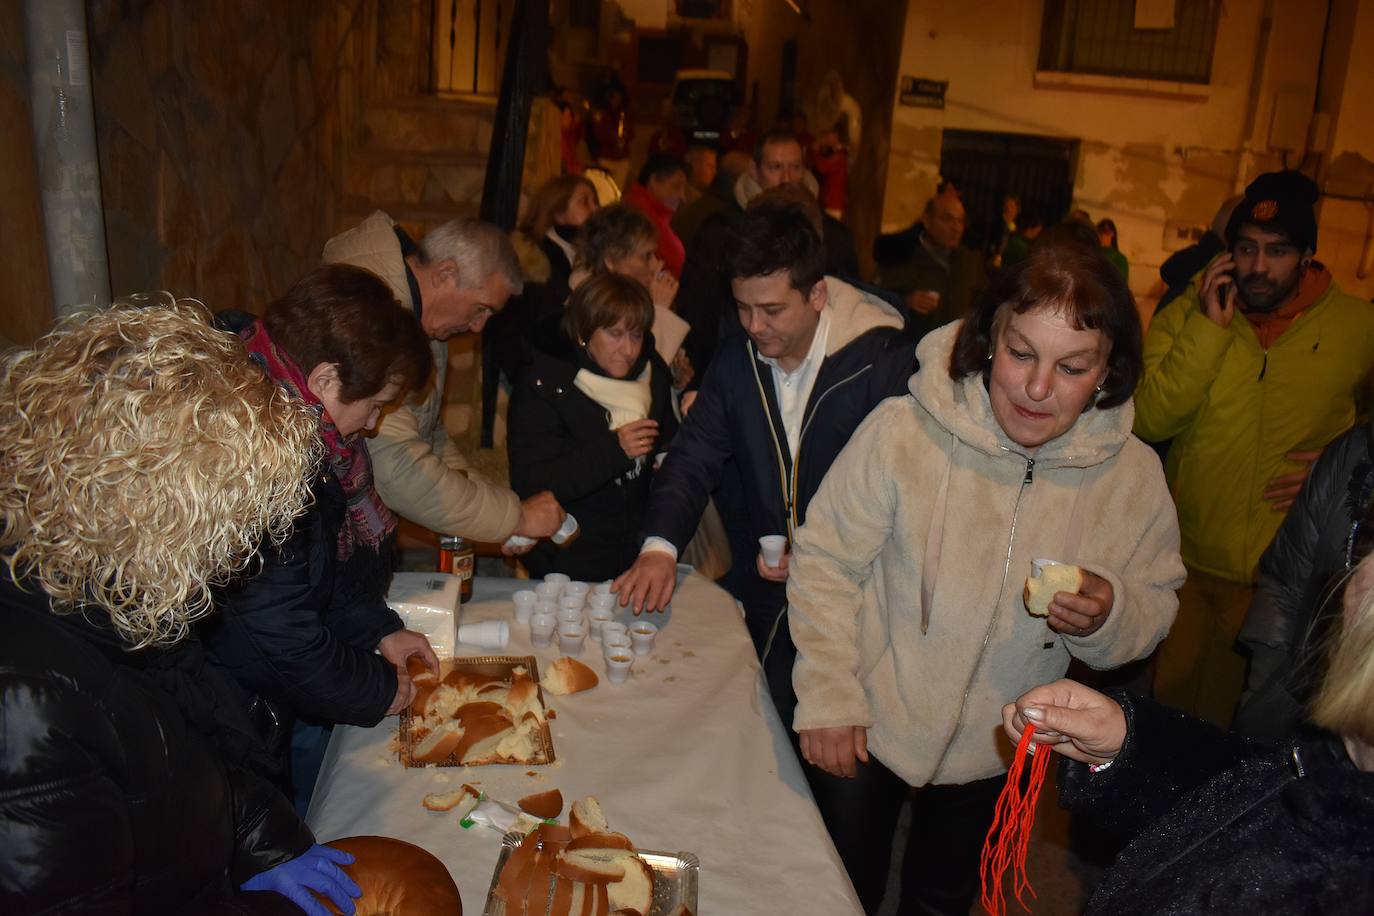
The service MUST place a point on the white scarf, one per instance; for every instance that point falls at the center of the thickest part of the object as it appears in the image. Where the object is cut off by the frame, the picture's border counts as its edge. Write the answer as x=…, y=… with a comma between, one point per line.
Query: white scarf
x=625, y=400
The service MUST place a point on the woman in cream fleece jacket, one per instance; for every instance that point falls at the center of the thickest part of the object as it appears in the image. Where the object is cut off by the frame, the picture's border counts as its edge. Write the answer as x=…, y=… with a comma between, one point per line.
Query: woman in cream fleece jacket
x=905, y=596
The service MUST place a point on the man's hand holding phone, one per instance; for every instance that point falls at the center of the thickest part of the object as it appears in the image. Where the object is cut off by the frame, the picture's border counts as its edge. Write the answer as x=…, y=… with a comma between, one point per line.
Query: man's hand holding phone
x=1219, y=290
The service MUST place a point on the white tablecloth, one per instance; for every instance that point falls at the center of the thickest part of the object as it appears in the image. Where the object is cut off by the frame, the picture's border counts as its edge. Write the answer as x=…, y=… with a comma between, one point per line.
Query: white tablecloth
x=688, y=755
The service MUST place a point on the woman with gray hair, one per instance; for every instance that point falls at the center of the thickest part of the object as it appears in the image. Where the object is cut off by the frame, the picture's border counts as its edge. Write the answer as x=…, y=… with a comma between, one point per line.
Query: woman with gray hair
x=144, y=461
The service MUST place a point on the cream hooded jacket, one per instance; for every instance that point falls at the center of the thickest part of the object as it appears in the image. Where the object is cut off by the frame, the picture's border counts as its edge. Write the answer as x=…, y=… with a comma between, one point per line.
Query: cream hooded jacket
x=905, y=592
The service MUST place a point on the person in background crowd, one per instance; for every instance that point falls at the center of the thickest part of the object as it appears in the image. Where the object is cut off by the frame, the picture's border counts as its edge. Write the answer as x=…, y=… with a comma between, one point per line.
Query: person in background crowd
x=145, y=459
x=620, y=239
x=780, y=401
x=544, y=244
x=308, y=634
x=928, y=263
x=612, y=132
x=1217, y=823
x=1266, y=350
x=707, y=300
x=456, y=278
x=719, y=195
x=657, y=193
x=1004, y=232
x=830, y=161
x=702, y=163
x=1106, y=237
x=586, y=421
x=1323, y=537
x=1179, y=269
x=1029, y=225
x=906, y=646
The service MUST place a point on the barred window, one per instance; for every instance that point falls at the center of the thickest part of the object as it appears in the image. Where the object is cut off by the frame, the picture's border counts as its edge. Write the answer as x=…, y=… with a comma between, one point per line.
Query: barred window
x=1100, y=36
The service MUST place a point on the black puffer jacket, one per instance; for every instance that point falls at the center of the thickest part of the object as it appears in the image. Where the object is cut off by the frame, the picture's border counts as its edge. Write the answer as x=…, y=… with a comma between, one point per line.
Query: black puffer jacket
x=1222, y=825
x=1293, y=606
x=301, y=632
x=559, y=439
x=125, y=777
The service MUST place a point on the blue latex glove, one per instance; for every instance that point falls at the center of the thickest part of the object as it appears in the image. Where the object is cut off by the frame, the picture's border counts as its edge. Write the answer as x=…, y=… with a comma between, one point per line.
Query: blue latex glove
x=315, y=869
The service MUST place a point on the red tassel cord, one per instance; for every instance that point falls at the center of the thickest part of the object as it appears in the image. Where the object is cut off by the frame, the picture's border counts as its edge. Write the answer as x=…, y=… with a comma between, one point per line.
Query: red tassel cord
x=1008, y=838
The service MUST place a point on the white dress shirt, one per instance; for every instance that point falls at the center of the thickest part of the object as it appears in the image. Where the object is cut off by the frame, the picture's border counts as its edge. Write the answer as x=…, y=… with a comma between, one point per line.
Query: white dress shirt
x=792, y=389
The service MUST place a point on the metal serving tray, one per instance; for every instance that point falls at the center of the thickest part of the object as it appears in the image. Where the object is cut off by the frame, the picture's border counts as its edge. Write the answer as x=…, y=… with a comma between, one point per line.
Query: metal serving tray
x=675, y=878
x=502, y=666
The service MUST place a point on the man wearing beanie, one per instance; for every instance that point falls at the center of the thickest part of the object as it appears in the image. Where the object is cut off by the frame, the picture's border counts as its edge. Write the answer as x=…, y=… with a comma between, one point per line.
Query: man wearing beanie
x=1251, y=372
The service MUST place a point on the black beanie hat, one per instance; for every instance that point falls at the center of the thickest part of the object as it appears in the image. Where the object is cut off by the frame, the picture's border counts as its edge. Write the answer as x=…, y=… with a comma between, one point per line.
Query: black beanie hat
x=1279, y=202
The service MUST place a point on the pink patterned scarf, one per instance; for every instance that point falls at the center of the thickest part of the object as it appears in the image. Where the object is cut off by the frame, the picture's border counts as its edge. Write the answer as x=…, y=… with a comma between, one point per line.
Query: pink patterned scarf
x=369, y=521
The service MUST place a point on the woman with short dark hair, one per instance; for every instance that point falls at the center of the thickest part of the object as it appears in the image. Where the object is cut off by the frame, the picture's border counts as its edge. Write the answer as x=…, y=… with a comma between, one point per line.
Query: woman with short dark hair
x=906, y=587
x=587, y=420
x=301, y=634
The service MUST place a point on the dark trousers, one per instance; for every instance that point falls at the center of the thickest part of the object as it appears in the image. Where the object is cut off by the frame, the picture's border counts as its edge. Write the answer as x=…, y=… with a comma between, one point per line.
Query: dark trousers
x=939, y=871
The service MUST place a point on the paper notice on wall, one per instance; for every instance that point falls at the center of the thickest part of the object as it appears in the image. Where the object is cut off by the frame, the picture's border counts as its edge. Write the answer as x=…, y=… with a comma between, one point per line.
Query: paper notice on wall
x=78, y=74
x=1154, y=14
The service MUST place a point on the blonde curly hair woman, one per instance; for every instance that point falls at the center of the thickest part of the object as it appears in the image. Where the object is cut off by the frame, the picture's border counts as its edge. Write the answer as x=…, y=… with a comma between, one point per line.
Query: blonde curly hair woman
x=144, y=460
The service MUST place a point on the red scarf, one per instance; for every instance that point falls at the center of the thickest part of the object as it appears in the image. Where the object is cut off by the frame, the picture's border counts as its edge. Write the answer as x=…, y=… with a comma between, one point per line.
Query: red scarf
x=368, y=521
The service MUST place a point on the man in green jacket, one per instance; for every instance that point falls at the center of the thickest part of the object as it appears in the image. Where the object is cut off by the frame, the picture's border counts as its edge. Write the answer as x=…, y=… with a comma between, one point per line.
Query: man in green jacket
x=929, y=265
x=1251, y=372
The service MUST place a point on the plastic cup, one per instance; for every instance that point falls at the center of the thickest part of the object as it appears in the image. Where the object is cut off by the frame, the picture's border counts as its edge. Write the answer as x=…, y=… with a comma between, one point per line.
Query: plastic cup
x=612, y=643
x=1038, y=566
x=614, y=628
x=524, y=601
x=566, y=532
x=605, y=602
x=541, y=629
x=598, y=618
x=580, y=589
x=569, y=615
x=548, y=591
x=618, y=666
x=489, y=634
x=571, y=639
x=772, y=546
x=602, y=588
x=559, y=579
x=642, y=636
x=573, y=602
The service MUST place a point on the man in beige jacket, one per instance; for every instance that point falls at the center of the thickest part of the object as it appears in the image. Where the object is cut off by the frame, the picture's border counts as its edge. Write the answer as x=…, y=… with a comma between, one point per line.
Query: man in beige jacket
x=454, y=279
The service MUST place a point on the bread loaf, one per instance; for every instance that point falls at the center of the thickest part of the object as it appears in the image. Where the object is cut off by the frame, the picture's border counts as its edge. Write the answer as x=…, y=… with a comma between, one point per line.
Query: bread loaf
x=586, y=817
x=397, y=879
x=419, y=672
x=568, y=675
x=439, y=743
x=1040, y=590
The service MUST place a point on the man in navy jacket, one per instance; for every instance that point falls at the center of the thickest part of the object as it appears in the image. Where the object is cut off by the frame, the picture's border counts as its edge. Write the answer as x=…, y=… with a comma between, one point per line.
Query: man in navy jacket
x=780, y=400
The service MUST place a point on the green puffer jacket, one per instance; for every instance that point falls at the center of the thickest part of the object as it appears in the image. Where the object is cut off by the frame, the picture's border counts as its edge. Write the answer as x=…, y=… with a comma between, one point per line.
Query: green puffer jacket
x=1235, y=410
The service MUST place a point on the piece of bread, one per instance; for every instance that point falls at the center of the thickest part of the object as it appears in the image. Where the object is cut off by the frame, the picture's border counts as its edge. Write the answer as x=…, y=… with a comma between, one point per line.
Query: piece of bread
x=590, y=869
x=586, y=817
x=543, y=804
x=568, y=675
x=604, y=841
x=471, y=712
x=419, y=672
x=523, y=699
x=396, y=877
x=635, y=891
x=480, y=738
x=447, y=801
x=1040, y=590
x=440, y=743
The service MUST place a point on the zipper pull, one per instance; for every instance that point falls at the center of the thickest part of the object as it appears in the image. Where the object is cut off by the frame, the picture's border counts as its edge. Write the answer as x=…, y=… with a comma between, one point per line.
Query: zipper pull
x=1030, y=471
x=1264, y=366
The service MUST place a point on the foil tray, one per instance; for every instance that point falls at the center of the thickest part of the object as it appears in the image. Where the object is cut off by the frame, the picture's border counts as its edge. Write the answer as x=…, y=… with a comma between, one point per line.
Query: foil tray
x=502, y=666
x=675, y=878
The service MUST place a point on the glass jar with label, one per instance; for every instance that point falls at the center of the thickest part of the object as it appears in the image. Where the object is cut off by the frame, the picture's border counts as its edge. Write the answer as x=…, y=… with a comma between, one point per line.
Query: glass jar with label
x=456, y=558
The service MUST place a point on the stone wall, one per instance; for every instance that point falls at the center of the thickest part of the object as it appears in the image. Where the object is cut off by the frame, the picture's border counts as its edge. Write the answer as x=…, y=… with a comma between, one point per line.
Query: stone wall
x=220, y=129
x=26, y=309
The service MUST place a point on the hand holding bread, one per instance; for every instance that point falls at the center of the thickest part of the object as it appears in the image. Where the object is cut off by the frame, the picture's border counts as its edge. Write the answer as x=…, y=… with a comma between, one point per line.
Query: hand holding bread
x=1075, y=601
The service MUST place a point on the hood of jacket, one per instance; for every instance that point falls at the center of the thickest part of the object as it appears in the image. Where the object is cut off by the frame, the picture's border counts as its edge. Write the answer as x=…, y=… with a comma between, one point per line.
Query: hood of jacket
x=964, y=409
x=854, y=313
x=372, y=244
